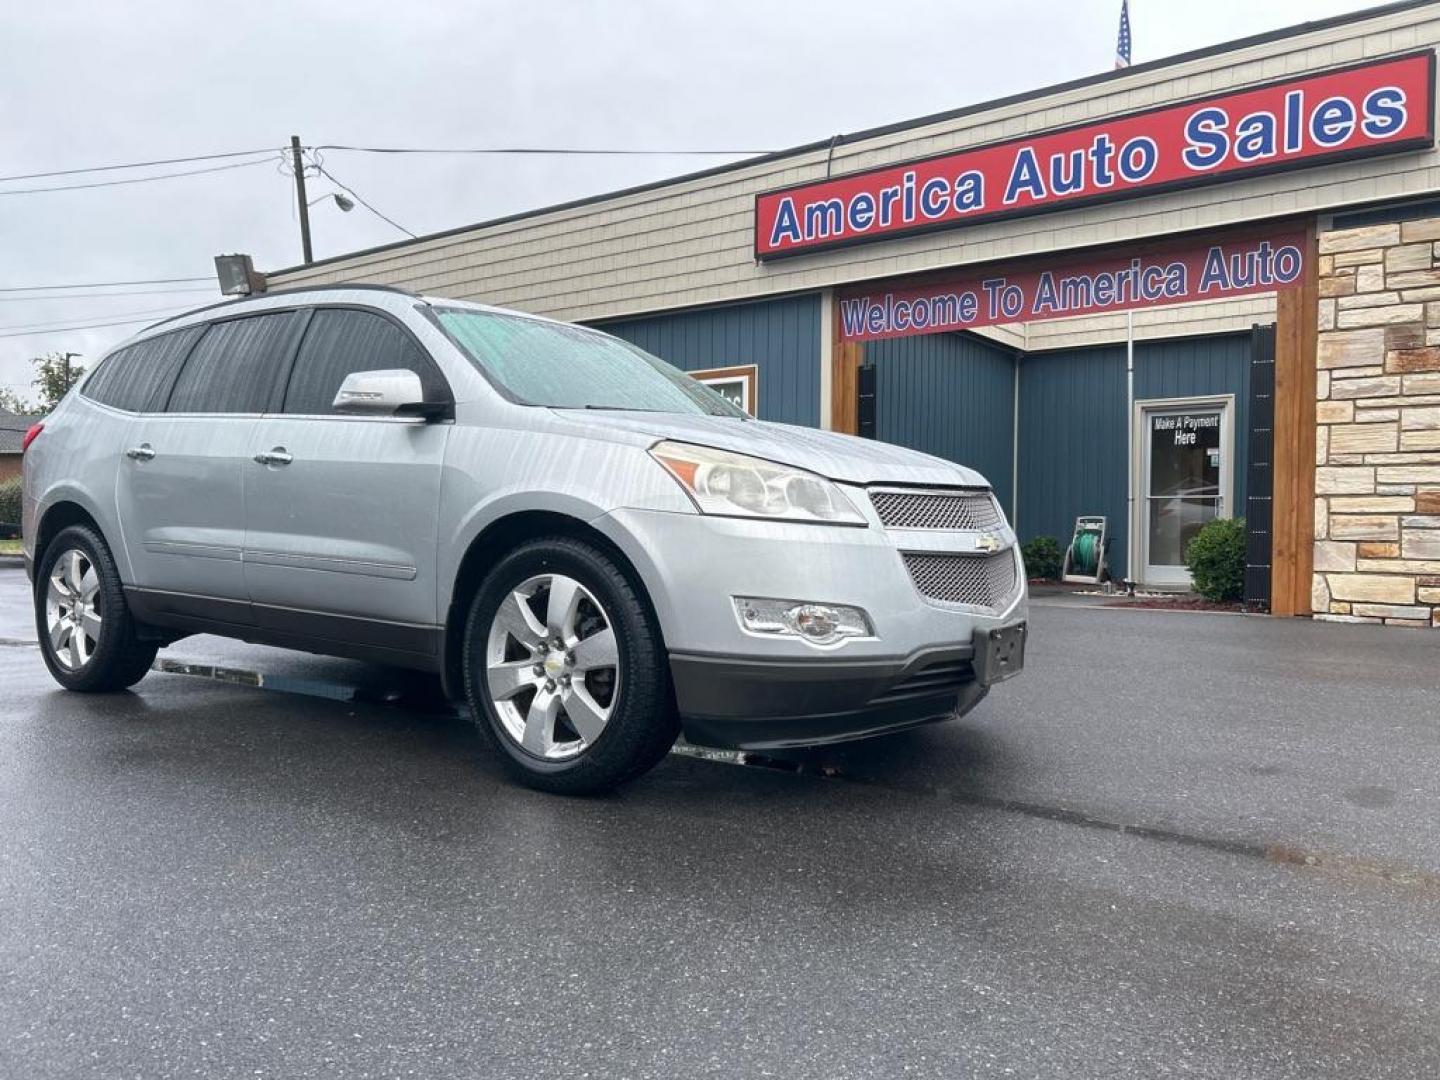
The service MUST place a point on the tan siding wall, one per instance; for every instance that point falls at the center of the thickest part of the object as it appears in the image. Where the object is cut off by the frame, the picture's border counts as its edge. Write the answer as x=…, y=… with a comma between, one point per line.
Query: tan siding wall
x=1184, y=320
x=690, y=244
x=1011, y=335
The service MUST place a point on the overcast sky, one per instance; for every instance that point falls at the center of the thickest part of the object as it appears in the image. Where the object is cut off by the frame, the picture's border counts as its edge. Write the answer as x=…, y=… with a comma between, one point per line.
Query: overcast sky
x=92, y=83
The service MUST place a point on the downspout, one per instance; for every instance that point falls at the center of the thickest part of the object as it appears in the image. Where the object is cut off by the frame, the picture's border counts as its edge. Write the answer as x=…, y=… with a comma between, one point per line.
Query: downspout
x=1015, y=447
x=1131, y=526
x=827, y=358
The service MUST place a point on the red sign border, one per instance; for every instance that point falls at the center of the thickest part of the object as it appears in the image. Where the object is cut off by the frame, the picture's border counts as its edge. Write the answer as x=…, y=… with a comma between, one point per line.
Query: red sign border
x=1414, y=143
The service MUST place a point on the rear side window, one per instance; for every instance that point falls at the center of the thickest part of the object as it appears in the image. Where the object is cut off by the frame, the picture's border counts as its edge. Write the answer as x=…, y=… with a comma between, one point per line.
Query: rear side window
x=236, y=367
x=137, y=378
x=341, y=341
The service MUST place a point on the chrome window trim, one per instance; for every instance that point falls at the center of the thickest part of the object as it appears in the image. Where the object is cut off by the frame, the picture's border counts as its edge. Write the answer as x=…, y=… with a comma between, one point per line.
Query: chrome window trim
x=353, y=419
x=126, y=413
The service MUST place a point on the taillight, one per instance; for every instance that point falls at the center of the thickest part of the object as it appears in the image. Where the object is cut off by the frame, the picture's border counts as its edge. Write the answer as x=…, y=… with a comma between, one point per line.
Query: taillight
x=35, y=430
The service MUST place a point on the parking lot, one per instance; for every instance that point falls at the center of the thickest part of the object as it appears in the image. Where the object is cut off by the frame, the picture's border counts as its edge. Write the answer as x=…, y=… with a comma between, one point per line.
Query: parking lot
x=1179, y=845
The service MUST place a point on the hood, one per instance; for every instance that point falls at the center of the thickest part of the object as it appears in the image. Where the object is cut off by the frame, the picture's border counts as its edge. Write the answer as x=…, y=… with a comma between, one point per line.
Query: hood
x=839, y=457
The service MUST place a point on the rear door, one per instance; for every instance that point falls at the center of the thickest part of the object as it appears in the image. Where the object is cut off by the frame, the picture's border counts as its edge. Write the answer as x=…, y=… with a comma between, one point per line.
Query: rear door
x=179, y=493
x=130, y=383
x=342, y=521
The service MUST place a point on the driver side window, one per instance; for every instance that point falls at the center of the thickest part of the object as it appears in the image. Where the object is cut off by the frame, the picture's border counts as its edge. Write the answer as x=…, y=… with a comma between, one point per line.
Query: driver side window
x=339, y=342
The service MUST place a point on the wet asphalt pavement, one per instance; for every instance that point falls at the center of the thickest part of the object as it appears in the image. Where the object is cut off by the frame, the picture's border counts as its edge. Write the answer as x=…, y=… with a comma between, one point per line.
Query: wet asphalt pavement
x=1179, y=845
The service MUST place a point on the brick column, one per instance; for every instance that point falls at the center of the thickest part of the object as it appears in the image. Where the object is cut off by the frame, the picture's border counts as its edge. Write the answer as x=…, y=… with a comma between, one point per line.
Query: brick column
x=1377, y=482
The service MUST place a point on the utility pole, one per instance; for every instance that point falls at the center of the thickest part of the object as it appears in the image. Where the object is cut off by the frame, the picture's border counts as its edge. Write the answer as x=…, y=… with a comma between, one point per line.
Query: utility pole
x=299, y=160
x=68, y=355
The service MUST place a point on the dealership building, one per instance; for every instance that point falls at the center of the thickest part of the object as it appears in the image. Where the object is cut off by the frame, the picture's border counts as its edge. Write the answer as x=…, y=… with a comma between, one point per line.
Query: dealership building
x=1202, y=287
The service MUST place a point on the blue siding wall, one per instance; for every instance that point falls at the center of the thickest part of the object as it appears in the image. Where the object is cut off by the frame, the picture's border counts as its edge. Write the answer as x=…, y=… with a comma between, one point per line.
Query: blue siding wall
x=781, y=337
x=1073, y=426
x=948, y=395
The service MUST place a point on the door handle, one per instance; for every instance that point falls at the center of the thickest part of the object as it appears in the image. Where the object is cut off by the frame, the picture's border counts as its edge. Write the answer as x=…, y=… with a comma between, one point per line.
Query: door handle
x=278, y=456
x=143, y=452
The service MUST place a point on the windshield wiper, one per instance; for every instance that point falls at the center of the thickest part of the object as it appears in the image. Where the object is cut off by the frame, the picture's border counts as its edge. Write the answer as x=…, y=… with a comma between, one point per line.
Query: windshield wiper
x=636, y=408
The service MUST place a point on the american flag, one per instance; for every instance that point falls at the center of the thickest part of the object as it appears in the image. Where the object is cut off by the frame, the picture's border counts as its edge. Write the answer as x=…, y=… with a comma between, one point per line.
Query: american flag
x=1122, y=46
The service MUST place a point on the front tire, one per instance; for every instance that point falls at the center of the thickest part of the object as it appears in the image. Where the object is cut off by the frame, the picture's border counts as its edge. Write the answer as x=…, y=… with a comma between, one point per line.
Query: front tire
x=87, y=636
x=565, y=672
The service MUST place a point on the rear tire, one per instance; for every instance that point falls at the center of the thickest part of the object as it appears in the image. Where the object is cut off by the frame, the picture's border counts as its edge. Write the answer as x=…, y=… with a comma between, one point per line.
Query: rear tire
x=87, y=636
x=565, y=672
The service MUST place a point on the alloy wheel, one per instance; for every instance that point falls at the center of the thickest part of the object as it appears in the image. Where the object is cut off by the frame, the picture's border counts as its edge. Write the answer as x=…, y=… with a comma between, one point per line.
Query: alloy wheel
x=72, y=609
x=552, y=666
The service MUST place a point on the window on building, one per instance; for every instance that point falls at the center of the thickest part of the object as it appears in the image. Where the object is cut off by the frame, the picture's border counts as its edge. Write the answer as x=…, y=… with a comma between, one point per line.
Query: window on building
x=737, y=385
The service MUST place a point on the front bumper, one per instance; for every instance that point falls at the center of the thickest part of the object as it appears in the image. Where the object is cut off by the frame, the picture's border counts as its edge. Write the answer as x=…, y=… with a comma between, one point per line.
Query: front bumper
x=751, y=704
x=736, y=688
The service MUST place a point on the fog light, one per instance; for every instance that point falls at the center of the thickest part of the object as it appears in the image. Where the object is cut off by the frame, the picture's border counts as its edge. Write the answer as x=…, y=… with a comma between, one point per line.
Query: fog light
x=819, y=624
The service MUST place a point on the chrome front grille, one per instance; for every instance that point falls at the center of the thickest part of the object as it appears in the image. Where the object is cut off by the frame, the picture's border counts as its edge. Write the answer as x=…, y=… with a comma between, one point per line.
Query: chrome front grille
x=982, y=581
x=936, y=509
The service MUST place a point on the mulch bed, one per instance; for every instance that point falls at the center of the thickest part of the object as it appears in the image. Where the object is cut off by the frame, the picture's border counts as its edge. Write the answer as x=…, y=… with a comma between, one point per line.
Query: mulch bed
x=1181, y=602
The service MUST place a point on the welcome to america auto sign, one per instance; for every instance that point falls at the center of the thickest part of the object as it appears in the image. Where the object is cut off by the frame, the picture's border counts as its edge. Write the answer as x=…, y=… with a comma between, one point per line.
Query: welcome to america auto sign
x=1176, y=272
x=1378, y=107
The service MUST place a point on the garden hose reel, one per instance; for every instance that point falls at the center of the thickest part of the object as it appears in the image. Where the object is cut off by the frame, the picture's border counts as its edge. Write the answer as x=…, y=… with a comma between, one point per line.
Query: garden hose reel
x=1087, y=557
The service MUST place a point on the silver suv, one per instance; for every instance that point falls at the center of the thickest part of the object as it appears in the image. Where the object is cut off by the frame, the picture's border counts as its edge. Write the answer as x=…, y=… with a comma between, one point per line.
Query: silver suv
x=592, y=549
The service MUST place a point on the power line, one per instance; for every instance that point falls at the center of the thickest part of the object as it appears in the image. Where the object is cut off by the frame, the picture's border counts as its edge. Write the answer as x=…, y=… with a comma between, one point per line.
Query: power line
x=62, y=324
x=345, y=187
x=106, y=295
x=103, y=284
x=588, y=152
x=88, y=326
x=584, y=151
x=137, y=164
x=138, y=179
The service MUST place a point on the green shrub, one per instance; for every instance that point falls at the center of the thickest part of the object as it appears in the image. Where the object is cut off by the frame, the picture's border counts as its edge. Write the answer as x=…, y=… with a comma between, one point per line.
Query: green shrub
x=1217, y=559
x=10, y=501
x=1043, y=557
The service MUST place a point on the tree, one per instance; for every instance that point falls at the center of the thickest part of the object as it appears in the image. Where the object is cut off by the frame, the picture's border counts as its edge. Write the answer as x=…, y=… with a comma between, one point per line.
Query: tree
x=55, y=373
x=13, y=402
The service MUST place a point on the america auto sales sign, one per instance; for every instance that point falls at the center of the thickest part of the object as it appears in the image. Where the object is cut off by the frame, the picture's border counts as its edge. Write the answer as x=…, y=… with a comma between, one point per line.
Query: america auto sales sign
x=1378, y=107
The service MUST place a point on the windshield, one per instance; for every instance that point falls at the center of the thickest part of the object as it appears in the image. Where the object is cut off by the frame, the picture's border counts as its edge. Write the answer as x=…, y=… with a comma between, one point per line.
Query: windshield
x=567, y=367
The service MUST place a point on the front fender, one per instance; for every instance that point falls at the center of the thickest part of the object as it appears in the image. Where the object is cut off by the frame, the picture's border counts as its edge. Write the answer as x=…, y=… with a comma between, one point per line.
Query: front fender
x=492, y=473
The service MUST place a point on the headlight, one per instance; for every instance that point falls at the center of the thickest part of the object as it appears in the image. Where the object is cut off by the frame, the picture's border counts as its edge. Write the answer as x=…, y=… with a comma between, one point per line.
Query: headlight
x=724, y=483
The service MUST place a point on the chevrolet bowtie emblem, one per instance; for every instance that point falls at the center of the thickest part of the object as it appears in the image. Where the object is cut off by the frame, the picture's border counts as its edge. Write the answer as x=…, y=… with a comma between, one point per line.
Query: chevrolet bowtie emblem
x=987, y=542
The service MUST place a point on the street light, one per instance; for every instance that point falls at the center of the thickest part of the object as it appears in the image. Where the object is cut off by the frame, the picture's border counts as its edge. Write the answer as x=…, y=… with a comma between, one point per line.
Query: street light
x=297, y=158
x=344, y=202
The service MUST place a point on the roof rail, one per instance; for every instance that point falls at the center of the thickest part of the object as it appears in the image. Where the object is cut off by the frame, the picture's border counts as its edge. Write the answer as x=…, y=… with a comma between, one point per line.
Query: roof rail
x=287, y=291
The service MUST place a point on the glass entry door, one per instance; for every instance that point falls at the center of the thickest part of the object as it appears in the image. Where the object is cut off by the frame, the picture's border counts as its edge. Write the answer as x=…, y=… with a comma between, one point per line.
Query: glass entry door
x=1186, y=483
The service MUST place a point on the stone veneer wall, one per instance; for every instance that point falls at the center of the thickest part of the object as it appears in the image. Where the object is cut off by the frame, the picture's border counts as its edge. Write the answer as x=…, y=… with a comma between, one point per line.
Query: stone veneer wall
x=1377, y=477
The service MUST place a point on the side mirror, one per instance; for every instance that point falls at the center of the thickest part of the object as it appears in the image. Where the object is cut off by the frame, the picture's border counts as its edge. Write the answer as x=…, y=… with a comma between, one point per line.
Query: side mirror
x=395, y=392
